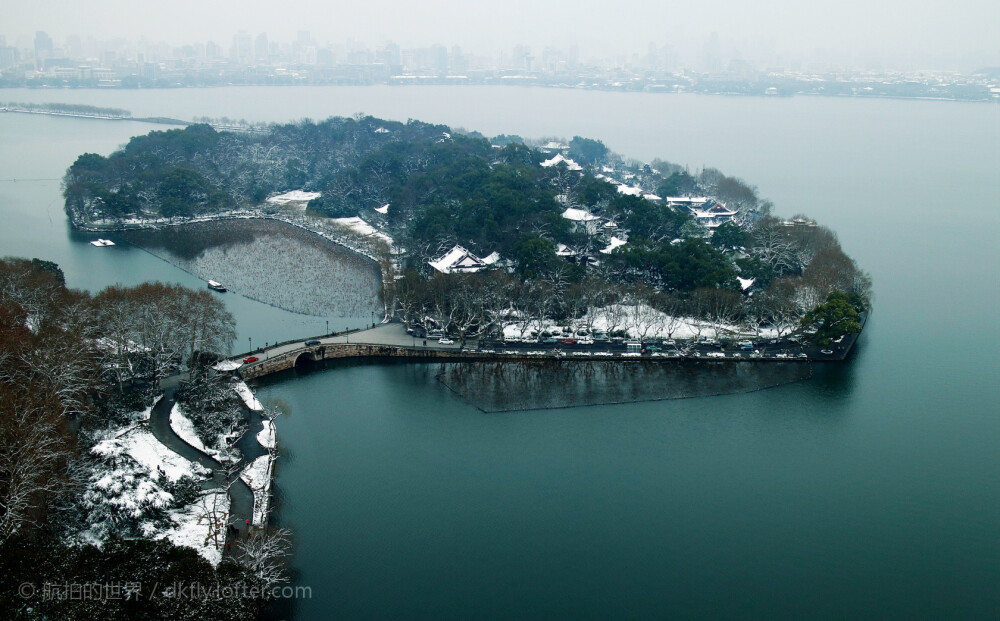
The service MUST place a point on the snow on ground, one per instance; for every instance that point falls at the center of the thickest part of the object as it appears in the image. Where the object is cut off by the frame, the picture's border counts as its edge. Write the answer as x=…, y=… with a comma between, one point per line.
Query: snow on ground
x=202, y=525
x=183, y=427
x=361, y=227
x=140, y=444
x=258, y=476
x=615, y=242
x=638, y=321
x=295, y=196
x=246, y=394
x=266, y=436
x=384, y=209
x=130, y=486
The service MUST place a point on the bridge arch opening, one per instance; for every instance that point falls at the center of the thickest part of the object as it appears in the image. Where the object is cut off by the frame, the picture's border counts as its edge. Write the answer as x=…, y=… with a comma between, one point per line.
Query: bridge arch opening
x=307, y=359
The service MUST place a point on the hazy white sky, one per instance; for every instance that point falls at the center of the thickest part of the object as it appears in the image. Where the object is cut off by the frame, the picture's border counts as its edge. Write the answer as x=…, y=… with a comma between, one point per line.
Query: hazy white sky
x=961, y=30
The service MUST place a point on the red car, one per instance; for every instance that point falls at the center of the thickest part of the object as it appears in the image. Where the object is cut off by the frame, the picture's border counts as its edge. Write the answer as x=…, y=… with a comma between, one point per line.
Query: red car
x=250, y=359
x=568, y=341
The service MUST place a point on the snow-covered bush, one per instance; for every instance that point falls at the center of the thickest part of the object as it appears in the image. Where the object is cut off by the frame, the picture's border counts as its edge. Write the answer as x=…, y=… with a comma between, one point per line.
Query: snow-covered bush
x=212, y=406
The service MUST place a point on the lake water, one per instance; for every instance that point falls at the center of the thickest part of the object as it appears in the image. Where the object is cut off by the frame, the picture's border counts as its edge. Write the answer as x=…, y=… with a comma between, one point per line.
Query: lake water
x=870, y=490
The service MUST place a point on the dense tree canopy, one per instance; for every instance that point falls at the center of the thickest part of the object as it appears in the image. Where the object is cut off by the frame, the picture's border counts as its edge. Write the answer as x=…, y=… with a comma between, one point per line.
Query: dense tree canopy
x=834, y=318
x=435, y=187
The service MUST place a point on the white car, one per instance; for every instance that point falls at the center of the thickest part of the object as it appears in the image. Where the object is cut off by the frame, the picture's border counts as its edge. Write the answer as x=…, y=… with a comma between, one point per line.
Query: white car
x=446, y=341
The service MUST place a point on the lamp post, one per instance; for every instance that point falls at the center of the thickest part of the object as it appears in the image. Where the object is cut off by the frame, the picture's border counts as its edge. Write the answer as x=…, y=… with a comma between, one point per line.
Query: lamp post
x=250, y=338
x=328, y=327
x=348, y=333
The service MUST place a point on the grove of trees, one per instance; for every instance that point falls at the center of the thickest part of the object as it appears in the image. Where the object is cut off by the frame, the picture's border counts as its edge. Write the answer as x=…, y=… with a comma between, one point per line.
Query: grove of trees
x=72, y=367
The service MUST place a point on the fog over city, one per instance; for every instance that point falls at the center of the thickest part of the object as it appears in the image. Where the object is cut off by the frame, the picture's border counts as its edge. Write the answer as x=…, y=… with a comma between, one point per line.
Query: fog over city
x=856, y=34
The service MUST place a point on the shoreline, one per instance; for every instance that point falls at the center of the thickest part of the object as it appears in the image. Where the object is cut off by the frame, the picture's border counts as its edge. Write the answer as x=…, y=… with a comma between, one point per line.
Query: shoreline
x=352, y=245
x=183, y=268
x=100, y=117
x=383, y=345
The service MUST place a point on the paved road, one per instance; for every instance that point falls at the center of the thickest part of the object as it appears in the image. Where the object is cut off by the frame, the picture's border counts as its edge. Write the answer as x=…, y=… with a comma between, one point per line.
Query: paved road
x=384, y=334
x=395, y=334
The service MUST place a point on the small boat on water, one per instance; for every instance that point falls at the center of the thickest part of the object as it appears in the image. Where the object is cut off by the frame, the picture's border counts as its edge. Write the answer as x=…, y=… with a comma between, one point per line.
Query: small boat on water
x=102, y=242
x=216, y=286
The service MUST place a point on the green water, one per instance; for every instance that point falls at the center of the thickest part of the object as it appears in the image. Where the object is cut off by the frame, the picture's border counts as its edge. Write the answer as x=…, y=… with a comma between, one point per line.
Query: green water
x=871, y=490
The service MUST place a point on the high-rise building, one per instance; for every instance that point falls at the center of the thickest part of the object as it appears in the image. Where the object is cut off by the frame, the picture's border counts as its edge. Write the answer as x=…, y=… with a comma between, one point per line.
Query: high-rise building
x=242, y=51
x=9, y=57
x=261, y=50
x=43, y=48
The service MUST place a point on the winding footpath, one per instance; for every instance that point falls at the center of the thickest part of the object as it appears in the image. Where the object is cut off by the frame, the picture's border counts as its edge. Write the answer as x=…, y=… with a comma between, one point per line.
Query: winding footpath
x=240, y=494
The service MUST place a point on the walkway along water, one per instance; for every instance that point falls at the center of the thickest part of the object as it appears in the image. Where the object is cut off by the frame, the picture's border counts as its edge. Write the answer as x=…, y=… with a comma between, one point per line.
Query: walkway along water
x=240, y=495
x=392, y=341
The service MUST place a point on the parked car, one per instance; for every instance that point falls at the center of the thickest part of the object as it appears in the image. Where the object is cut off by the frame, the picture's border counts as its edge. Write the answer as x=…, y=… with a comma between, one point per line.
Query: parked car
x=250, y=359
x=653, y=348
x=549, y=340
x=312, y=342
x=445, y=341
x=746, y=346
x=568, y=341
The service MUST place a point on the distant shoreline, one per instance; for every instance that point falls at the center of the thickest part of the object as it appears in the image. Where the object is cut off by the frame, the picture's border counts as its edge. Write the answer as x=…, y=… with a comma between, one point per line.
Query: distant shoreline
x=98, y=116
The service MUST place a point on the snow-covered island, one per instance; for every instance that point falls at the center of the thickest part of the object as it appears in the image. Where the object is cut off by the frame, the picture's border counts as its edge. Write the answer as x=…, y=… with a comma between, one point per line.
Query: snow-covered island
x=470, y=232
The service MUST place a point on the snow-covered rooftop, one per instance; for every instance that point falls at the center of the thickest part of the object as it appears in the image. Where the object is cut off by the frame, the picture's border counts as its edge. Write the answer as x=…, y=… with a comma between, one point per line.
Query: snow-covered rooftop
x=554, y=161
x=227, y=365
x=384, y=209
x=688, y=200
x=630, y=190
x=458, y=259
x=745, y=283
x=579, y=215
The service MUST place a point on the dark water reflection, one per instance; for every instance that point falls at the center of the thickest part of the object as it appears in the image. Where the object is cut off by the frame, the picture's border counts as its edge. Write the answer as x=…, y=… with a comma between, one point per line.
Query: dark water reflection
x=190, y=241
x=529, y=385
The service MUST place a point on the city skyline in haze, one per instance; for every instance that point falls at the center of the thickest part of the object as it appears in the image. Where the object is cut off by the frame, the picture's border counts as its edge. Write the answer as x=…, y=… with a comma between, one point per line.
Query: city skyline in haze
x=888, y=35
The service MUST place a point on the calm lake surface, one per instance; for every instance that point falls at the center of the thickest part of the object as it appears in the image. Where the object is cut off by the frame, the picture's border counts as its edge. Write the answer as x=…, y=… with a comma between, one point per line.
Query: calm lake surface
x=871, y=490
